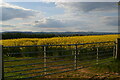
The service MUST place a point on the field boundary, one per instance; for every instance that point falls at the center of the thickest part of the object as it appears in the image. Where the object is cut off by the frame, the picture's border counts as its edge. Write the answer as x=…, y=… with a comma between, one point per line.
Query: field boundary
x=75, y=54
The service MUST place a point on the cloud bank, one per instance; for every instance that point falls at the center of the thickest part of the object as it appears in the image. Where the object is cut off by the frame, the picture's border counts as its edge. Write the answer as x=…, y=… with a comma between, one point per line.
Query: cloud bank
x=77, y=16
x=9, y=11
x=48, y=22
x=88, y=6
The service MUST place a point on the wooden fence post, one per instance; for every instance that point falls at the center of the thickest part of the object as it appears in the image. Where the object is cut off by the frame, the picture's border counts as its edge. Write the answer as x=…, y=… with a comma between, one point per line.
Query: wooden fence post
x=118, y=49
x=75, y=57
x=114, y=48
x=45, y=60
x=97, y=56
x=1, y=63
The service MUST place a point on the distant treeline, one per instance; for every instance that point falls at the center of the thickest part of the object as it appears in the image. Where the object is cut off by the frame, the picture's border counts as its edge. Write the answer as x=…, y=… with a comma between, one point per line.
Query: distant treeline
x=15, y=35
x=34, y=35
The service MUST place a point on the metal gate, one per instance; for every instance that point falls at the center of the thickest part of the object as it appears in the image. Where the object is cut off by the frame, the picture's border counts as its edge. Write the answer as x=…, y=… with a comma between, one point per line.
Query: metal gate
x=34, y=61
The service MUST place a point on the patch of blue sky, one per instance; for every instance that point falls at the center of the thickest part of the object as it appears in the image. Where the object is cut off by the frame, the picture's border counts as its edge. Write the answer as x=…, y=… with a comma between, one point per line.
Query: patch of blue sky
x=49, y=9
x=111, y=14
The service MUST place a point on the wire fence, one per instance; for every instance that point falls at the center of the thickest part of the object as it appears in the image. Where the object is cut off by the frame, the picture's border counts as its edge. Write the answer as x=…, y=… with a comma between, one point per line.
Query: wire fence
x=41, y=60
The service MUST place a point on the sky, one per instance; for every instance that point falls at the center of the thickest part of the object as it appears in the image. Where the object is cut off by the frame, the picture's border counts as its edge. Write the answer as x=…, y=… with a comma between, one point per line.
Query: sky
x=59, y=16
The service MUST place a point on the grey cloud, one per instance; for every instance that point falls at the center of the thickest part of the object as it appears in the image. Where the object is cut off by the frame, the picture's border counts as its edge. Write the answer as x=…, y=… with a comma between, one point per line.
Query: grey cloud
x=88, y=6
x=3, y=25
x=111, y=20
x=47, y=22
x=90, y=15
x=10, y=12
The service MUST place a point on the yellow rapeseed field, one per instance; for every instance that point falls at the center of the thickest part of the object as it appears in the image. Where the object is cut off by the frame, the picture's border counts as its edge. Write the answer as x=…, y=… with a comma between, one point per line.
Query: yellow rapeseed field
x=58, y=40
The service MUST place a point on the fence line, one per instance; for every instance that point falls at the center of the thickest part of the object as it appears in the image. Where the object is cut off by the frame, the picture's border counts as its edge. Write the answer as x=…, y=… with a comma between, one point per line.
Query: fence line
x=60, y=44
x=76, y=58
x=117, y=49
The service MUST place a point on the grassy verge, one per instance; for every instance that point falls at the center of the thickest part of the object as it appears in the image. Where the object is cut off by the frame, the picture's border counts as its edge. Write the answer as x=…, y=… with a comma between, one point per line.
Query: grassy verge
x=106, y=71
x=113, y=66
x=99, y=70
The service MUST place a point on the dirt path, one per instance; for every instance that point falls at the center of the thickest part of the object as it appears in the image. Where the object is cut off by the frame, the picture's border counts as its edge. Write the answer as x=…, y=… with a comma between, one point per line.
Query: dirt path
x=86, y=74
